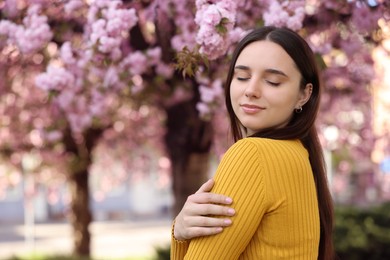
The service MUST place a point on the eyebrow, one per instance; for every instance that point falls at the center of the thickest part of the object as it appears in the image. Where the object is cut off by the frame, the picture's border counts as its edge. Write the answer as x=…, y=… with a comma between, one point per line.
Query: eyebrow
x=271, y=71
x=241, y=67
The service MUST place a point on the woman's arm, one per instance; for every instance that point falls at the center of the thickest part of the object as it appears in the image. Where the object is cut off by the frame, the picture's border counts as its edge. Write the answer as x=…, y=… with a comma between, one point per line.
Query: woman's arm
x=239, y=175
x=194, y=219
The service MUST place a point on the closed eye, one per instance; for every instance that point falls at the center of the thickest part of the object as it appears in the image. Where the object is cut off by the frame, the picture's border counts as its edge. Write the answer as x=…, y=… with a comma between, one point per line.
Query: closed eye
x=272, y=83
x=242, y=78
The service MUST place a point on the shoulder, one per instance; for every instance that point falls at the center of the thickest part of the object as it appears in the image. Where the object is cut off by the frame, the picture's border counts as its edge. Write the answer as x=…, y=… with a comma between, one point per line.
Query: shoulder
x=243, y=154
x=254, y=150
x=244, y=149
x=272, y=144
x=266, y=143
x=266, y=148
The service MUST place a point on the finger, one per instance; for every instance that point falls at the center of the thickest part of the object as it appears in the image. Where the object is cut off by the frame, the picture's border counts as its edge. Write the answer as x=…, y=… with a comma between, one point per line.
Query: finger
x=203, y=231
x=202, y=221
x=208, y=197
x=207, y=186
x=209, y=209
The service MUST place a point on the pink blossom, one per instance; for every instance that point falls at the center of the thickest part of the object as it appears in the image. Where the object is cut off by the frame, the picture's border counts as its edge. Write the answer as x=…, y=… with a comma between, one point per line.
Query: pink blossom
x=184, y=22
x=211, y=95
x=98, y=102
x=154, y=55
x=32, y=36
x=137, y=88
x=80, y=104
x=180, y=94
x=79, y=121
x=72, y=6
x=119, y=20
x=55, y=78
x=111, y=78
x=98, y=30
x=116, y=54
x=319, y=44
x=85, y=58
x=370, y=20
x=92, y=14
x=213, y=21
x=228, y=9
x=136, y=62
x=65, y=99
x=53, y=136
x=203, y=109
x=236, y=34
x=200, y=3
x=66, y=53
x=165, y=70
x=7, y=27
x=108, y=31
x=107, y=44
x=11, y=8
x=343, y=7
x=114, y=26
x=178, y=42
x=210, y=15
x=206, y=94
x=289, y=14
x=212, y=44
x=106, y=3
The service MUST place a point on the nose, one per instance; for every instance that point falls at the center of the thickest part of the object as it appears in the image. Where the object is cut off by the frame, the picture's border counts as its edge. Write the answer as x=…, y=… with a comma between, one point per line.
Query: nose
x=253, y=89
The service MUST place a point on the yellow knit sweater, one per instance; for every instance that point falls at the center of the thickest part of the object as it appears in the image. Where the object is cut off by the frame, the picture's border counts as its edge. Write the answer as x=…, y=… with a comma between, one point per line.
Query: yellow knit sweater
x=274, y=195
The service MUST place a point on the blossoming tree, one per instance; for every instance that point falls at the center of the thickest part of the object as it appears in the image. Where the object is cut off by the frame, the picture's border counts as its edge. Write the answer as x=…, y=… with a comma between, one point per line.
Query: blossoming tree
x=80, y=73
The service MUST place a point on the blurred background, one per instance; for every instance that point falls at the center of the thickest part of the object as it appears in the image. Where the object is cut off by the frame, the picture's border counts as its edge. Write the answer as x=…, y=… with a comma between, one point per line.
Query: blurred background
x=112, y=114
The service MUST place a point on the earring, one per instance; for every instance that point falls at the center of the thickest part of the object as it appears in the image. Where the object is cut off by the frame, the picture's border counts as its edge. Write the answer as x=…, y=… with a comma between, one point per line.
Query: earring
x=298, y=110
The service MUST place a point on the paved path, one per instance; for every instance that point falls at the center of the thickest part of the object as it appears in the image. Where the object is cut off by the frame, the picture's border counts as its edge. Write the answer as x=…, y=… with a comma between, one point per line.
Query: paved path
x=109, y=239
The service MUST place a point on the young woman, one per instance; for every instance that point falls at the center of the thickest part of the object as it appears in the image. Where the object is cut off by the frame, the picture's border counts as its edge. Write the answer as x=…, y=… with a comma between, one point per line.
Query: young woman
x=275, y=171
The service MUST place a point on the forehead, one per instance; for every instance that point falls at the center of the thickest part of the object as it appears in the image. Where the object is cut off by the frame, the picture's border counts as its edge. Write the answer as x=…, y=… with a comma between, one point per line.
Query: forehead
x=266, y=54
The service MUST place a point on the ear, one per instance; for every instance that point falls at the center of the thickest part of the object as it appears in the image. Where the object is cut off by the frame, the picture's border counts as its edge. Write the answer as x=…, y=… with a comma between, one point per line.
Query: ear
x=305, y=95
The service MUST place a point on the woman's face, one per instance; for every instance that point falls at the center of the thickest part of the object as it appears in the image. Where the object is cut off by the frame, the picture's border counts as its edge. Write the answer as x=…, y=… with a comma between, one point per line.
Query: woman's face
x=265, y=88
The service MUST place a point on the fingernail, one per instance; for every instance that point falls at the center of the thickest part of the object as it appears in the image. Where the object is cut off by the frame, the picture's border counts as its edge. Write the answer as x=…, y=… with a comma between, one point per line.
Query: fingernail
x=231, y=211
x=227, y=221
x=228, y=200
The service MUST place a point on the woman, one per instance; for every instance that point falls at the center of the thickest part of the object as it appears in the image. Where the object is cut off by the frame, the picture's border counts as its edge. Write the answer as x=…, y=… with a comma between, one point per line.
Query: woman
x=275, y=171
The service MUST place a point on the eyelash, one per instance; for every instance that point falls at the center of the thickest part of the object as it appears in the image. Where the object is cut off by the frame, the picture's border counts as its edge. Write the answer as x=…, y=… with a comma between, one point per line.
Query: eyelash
x=274, y=84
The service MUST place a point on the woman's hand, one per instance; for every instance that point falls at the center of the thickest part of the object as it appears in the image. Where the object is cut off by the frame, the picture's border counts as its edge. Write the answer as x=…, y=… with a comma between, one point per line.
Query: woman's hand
x=194, y=220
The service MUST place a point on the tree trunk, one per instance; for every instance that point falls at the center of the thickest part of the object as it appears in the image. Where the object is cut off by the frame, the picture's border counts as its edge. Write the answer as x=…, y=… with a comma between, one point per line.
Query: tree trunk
x=80, y=212
x=188, y=175
x=80, y=215
x=188, y=142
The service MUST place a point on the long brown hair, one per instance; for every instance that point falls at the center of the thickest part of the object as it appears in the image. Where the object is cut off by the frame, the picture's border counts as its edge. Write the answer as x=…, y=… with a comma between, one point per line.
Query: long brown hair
x=301, y=126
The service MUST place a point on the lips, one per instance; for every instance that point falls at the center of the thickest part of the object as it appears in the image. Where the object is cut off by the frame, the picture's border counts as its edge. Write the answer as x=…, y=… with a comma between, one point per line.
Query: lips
x=251, y=109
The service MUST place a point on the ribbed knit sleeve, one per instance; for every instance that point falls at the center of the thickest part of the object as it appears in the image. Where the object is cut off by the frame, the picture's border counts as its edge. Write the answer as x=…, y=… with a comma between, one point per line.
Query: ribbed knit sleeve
x=238, y=176
x=178, y=247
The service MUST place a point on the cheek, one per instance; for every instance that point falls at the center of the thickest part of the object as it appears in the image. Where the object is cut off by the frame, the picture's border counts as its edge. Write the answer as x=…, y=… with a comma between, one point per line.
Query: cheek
x=283, y=98
x=288, y=107
x=282, y=105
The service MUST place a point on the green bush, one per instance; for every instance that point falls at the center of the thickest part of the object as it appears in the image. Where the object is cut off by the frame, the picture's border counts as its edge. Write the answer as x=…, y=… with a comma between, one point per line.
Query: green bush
x=362, y=233
x=163, y=253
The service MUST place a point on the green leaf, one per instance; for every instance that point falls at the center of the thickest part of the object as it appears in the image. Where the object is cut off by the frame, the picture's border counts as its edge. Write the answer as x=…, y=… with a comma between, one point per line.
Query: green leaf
x=188, y=62
x=221, y=27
